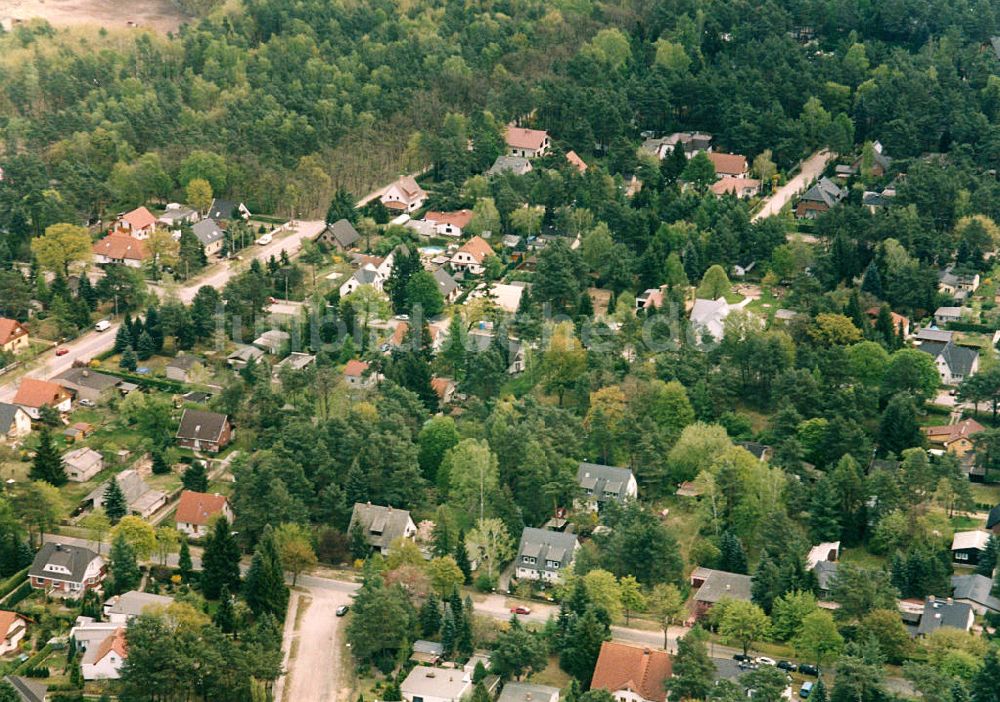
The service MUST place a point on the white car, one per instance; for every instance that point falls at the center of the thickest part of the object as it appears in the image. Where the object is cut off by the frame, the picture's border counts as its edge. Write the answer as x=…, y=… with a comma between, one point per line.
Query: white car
x=265, y=239
x=764, y=660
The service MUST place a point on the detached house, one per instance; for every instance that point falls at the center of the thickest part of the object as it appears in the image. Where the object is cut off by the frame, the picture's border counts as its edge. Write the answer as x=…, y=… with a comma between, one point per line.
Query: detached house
x=517, y=165
x=427, y=684
x=958, y=284
x=121, y=249
x=968, y=546
x=729, y=165
x=947, y=613
x=954, y=363
x=15, y=424
x=601, y=484
x=138, y=224
x=708, y=316
x=204, y=431
x=381, y=525
x=449, y=223
x=356, y=375
x=176, y=214
x=471, y=255
x=14, y=336
x=142, y=500
x=104, y=661
x=210, y=235
x=545, y=555
x=228, y=210
x=820, y=198
x=82, y=464
x=975, y=591
x=404, y=195
x=121, y=609
x=66, y=570
x=13, y=629
x=341, y=235
x=526, y=143
x=196, y=511
x=954, y=438
x=447, y=285
x=632, y=673
x=738, y=186
x=717, y=585
x=88, y=384
x=33, y=394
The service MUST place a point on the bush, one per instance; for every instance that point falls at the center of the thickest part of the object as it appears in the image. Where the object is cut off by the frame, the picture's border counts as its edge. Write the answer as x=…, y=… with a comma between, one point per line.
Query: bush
x=485, y=582
x=39, y=672
x=11, y=583
x=19, y=594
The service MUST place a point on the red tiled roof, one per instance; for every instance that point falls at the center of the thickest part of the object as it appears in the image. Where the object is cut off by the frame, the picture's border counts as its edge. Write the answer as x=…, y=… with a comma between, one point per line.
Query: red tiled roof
x=478, y=248
x=460, y=218
x=441, y=386
x=139, y=218
x=38, y=393
x=198, y=507
x=121, y=246
x=10, y=329
x=521, y=138
x=399, y=334
x=116, y=643
x=729, y=184
x=640, y=670
x=355, y=368
x=728, y=164
x=897, y=318
x=7, y=620
x=945, y=434
x=580, y=164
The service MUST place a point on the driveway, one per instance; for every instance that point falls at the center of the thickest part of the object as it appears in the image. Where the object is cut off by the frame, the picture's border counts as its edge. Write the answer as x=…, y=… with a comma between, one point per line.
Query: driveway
x=811, y=169
x=313, y=645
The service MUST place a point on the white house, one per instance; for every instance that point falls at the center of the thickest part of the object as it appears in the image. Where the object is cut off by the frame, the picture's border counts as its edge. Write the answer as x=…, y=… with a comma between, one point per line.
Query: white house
x=104, y=661
x=33, y=394
x=15, y=424
x=707, y=316
x=471, y=255
x=526, y=143
x=355, y=375
x=955, y=363
x=405, y=195
x=13, y=629
x=121, y=609
x=66, y=570
x=545, y=555
x=366, y=275
x=82, y=464
x=426, y=684
x=601, y=484
x=197, y=511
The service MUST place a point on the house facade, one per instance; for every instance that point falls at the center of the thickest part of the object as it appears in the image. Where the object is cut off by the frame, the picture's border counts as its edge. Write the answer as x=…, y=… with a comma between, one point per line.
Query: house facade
x=211, y=235
x=632, y=673
x=471, y=255
x=600, y=484
x=954, y=363
x=526, y=143
x=66, y=570
x=545, y=555
x=82, y=464
x=427, y=684
x=88, y=384
x=729, y=165
x=122, y=249
x=405, y=195
x=968, y=546
x=138, y=224
x=15, y=424
x=33, y=394
x=954, y=438
x=381, y=525
x=105, y=661
x=14, y=336
x=204, y=431
x=820, y=198
x=197, y=511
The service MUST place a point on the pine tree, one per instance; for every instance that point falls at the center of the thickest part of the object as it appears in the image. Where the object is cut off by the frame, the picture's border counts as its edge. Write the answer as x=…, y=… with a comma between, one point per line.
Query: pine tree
x=988, y=559
x=129, y=361
x=358, y=543
x=430, y=616
x=448, y=633
x=220, y=561
x=125, y=573
x=265, y=589
x=693, y=669
x=184, y=565
x=123, y=339
x=732, y=558
x=225, y=616
x=114, y=501
x=145, y=347
x=160, y=465
x=464, y=627
x=47, y=464
x=85, y=291
x=824, y=513
x=155, y=329
x=872, y=282
x=462, y=557
x=195, y=478
x=579, y=657
x=819, y=692
x=885, y=331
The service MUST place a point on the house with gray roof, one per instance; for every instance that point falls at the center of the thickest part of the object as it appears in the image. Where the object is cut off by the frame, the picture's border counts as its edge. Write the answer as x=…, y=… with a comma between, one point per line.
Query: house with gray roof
x=601, y=483
x=446, y=285
x=210, y=234
x=958, y=284
x=179, y=368
x=142, y=500
x=15, y=424
x=66, y=570
x=976, y=591
x=121, y=609
x=932, y=334
x=528, y=692
x=954, y=363
x=228, y=209
x=940, y=613
x=426, y=684
x=28, y=690
x=718, y=585
x=518, y=165
x=820, y=198
x=244, y=356
x=88, y=384
x=341, y=235
x=176, y=214
x=826, y=573
x=381, y=525
x=545, y=555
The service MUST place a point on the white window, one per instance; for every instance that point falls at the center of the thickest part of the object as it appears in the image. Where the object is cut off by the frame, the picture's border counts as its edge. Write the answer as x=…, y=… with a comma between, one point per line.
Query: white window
x=530, y=560
x=961, y=556
x=552, y=564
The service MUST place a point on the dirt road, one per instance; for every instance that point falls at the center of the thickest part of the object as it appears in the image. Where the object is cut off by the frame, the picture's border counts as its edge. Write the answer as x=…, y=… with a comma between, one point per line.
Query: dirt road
x=313, y=645
x=159, y=15
x=811, y=169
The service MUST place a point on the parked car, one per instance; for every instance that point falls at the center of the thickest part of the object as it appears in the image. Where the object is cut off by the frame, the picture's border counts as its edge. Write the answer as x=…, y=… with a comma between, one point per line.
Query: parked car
x=788, y=665
x=807, y=669
x=62, y=352
x=805, y=690
x=103, y=325
x=342, y=610
x=764, y=660
x=265, y=239
x=742, y=657
x=87, y=403
x=520, y=609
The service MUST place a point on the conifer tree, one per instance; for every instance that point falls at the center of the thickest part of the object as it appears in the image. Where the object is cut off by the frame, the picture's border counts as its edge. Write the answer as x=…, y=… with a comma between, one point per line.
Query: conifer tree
x=145, y=348
x=462, y=557
x=47, y=464
x=824, y=513
x=184, y=562
x=125, y=573
x=225, y=616
x=160, y=465
x=732, y=558
x=430, y=616
x=129, y=361
x=265, y=589
x=155, y=329
x=220, y=561
x=123, y=338
x=114, y=501
x=195, y=478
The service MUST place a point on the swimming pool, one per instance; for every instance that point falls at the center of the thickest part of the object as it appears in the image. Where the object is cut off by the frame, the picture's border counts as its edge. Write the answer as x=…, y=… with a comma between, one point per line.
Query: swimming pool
x=431, y=250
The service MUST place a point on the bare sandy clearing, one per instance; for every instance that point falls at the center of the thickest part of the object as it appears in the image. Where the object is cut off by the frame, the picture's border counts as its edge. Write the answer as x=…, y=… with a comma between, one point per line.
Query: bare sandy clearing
x=157, y=15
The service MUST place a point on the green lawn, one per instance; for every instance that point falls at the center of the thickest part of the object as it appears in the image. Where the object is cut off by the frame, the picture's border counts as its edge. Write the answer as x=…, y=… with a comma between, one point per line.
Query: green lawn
x=860, y=557
x=986, y=494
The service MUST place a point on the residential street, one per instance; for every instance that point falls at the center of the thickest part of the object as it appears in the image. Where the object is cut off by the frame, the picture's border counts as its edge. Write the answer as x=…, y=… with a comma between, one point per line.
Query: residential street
x=93, y=342
x=812, y=167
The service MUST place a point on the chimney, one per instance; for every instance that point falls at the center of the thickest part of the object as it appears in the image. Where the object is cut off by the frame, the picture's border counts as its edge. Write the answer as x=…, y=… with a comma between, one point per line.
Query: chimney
x=728, y=587
x=950, y=601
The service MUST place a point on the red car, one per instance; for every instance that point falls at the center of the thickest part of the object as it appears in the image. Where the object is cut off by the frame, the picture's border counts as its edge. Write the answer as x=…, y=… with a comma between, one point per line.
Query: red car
x=520, y=610
x=62, y=352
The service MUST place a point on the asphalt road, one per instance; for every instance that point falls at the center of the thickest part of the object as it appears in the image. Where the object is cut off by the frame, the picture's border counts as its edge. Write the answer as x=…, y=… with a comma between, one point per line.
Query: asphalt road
x=93, y=343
